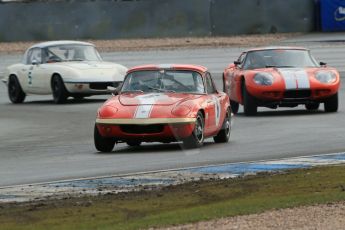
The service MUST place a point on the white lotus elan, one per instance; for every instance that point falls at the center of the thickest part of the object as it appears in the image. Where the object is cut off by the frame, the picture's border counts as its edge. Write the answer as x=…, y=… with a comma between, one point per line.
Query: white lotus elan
x=62, y=68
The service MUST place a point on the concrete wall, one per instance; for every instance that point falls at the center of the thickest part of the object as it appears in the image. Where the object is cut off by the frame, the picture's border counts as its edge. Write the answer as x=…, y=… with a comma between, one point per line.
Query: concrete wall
x=106, y=19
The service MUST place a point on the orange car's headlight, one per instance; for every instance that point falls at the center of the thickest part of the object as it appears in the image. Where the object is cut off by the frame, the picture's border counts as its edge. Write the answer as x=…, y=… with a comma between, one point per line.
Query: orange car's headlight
x=263, y=78
x=325, y=76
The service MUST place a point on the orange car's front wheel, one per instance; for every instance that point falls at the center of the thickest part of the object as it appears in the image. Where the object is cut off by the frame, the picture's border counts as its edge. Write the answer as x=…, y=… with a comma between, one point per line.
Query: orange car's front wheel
x=249, y=105
x=331, y=104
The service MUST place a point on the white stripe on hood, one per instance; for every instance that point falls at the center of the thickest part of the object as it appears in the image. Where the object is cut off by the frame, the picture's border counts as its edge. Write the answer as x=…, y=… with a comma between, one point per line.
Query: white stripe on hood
x=295, y=78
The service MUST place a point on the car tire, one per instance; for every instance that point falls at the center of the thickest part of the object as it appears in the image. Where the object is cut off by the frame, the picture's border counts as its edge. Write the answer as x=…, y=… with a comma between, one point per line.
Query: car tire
x=59, y=91
x=15, y=92
x=133, y=143
x=78, y=98
x=196, y=140
x=103, y=144
x=331, y=104
x=223, y=135
x=234, y=106
x=249, y=105
x=311, y=107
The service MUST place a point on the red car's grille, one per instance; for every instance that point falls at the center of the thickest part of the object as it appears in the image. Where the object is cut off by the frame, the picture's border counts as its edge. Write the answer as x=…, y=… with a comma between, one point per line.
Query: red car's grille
x=297, y=94
x=142, y=129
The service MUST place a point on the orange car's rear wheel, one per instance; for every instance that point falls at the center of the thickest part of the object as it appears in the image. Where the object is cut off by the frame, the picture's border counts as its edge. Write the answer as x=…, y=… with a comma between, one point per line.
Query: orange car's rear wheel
x=249, y=105
x=103, y=144
x=331, y=104
x=234, y=106
x=196, y=140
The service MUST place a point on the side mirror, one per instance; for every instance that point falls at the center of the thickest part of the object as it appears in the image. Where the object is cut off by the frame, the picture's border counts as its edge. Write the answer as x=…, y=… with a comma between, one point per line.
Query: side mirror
x=34, y=62
x=232, y=65
x=323, y=63
x=237, y=63
x=113, y=90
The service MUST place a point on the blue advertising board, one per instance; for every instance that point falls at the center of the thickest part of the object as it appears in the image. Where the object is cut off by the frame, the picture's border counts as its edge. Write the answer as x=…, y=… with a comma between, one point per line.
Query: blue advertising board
x=332, y=15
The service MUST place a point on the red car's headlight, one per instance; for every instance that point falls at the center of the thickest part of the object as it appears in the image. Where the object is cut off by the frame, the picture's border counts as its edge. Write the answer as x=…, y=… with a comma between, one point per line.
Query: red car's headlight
x=180, y=110
x=107, y=111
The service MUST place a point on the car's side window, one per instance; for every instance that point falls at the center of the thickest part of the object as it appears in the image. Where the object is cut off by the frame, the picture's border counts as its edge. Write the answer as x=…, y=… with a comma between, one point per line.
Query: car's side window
x=209, y=84
x=34, y=54
x=241, y=59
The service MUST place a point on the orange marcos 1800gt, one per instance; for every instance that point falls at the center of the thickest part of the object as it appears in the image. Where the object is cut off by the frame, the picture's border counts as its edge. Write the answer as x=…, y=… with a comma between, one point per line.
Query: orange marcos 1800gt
x=164, y=103
x=280, y=76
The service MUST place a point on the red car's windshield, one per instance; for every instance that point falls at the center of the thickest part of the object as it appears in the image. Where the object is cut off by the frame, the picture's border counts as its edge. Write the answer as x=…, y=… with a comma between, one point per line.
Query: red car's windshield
x=164, y=81
x=288, y=58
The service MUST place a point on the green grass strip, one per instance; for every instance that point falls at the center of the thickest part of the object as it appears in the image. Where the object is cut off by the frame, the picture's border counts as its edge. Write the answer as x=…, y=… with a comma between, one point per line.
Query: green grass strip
x=191, y=202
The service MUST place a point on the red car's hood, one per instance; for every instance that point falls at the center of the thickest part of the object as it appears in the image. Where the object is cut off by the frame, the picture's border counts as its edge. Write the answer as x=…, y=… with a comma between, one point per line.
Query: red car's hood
x=155, y=98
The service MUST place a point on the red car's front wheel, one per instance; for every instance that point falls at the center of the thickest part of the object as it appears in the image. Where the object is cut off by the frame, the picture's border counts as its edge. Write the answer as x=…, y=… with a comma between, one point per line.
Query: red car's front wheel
x=103, y=144
x=196, y=140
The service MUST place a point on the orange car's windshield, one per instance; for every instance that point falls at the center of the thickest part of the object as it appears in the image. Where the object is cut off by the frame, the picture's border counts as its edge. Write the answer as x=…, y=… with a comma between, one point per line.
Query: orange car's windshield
x=280, y=58
x=164, y=81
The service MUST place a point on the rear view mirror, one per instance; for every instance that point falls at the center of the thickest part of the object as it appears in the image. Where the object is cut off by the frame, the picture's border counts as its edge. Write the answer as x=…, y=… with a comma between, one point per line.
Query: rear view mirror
x=323, y=63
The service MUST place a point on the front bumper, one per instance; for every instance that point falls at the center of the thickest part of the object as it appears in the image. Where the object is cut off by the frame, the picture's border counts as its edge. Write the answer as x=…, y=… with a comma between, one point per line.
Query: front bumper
x=146, y=129
x=90, y=87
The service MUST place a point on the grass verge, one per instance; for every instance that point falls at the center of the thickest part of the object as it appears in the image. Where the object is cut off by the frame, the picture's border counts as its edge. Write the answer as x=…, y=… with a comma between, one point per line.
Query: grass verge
x=191, y=202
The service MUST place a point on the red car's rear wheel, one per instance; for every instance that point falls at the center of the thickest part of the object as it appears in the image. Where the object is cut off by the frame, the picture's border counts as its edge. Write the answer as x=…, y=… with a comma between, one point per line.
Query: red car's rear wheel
x=224, y=133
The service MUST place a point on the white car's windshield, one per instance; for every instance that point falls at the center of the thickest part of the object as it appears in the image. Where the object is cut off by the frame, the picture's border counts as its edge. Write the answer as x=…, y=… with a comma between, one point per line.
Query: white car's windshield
x=70, y=52
x=288, y=58
x=164, y=81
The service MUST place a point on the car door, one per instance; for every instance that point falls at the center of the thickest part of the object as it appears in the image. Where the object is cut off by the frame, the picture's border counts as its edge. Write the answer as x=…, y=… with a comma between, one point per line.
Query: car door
x=213, y=110
x=37, y=72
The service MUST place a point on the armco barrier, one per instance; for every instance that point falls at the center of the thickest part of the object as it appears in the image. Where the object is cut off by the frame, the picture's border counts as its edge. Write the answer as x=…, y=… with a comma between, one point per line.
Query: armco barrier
x=108, y=19
x=262, y=16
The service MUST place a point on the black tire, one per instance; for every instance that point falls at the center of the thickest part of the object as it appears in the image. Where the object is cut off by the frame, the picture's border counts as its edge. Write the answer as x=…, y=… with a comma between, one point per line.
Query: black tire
x=15, y=92
x=196, y=140
x=59, y=91
x=331, y=104
x=133, y=143
x=249, y=105
x=78, y=98
x=103, y=144
x=311, y=107
x=223, y=135
x=234, y=106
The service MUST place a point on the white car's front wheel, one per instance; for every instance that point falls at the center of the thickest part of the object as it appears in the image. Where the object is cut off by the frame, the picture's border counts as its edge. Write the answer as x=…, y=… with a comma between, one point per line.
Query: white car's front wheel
x=60, y=93
x=15, y=92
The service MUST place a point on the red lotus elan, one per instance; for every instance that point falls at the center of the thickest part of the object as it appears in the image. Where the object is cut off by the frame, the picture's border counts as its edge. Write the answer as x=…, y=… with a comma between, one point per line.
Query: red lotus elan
x=280, y=76
x=164, y=103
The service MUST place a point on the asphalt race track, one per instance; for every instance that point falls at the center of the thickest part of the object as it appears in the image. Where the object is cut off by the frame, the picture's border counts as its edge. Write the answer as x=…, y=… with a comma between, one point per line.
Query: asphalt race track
x=41, y=141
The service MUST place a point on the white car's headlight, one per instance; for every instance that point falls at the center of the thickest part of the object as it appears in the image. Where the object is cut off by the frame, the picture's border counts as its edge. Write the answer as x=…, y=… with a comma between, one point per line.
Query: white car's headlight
x=263, y=78
x=325, y=76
